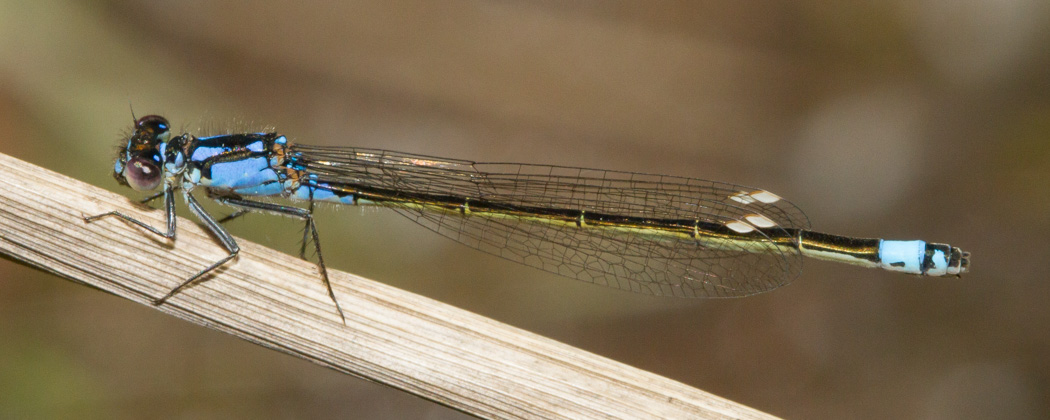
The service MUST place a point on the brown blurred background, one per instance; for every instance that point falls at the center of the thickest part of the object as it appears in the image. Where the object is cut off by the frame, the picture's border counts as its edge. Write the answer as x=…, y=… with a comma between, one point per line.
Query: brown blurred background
x=900, y=119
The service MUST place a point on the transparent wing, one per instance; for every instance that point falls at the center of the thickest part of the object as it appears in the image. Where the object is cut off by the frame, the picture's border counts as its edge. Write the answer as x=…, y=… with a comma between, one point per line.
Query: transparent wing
x=639, y=263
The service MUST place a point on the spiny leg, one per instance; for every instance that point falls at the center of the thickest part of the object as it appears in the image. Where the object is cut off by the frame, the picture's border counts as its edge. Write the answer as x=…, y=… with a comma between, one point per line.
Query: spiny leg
x=221, y=234
x=147, y=200
x=311, y=229
x=234, y=215
x=306, y=233
x=169, y=209
x=228, y=218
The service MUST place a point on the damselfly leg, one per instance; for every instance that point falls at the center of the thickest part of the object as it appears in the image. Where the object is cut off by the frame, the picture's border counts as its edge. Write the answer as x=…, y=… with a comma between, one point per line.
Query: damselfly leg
x=213, y=226
x=169, y=208
x=306, y=215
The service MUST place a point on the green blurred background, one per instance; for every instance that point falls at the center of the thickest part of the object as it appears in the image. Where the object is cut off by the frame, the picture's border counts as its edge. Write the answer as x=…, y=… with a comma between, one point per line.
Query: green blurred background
x=900, y=119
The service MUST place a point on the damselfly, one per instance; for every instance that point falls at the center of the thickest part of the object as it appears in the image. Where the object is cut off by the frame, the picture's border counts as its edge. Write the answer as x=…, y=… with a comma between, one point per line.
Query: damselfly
x=653, y=234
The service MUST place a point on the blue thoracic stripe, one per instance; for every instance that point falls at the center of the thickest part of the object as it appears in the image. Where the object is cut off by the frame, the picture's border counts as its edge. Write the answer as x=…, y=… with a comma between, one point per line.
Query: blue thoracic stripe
x=242, y=173
x=216, y=145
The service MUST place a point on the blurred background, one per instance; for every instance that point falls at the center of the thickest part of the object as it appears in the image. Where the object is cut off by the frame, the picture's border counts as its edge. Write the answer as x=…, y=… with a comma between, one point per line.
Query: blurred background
x=898, y=119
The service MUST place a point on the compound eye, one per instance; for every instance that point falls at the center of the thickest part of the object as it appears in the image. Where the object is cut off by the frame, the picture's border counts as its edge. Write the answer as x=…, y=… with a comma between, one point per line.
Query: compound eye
x=142, y=174
x=155, y=126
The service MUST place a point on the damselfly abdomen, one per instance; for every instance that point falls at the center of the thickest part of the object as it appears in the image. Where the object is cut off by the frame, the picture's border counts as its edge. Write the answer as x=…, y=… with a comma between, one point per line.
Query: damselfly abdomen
x=653, y=234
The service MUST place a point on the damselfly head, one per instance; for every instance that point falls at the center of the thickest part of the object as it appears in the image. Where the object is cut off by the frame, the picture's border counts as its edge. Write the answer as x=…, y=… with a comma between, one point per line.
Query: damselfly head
x=152, y=127
x=139, y=164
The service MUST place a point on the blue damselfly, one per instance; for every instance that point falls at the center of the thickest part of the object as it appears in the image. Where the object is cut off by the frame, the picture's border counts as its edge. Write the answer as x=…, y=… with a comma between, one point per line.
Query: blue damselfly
x=653, y=234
